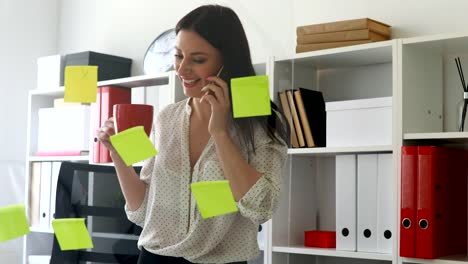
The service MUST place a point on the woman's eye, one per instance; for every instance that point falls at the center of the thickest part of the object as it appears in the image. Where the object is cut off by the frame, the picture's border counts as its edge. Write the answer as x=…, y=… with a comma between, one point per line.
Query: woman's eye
x=199, y=61
x=178, y=56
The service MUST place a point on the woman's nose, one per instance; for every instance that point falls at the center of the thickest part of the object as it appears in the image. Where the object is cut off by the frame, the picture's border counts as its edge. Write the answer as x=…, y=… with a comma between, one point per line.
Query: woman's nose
x=184, y=67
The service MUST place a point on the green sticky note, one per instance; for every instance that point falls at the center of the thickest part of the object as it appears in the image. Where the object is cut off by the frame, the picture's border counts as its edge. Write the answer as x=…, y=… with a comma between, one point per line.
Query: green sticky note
x=214, y=198
x=133, y=145
x=13, y=222
x=81, y=84
x=72, y=234
x=250, y=96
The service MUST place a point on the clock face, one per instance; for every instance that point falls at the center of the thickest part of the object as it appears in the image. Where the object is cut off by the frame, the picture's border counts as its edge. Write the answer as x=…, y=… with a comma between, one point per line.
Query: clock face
x=160, y=54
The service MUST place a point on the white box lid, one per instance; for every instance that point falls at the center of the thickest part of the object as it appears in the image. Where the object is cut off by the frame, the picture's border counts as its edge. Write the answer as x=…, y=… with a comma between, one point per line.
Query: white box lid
x=358, y=104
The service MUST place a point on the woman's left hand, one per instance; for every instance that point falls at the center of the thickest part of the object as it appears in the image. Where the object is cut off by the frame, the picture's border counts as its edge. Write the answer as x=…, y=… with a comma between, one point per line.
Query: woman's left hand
x=217, y=95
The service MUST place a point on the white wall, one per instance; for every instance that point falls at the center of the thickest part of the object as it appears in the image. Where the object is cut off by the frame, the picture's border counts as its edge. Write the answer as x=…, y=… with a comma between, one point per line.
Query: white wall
x=28, y=30
x=126, y=28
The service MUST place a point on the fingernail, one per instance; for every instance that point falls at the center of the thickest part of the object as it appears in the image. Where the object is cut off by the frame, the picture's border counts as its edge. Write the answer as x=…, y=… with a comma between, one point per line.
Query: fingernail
x=209, y=77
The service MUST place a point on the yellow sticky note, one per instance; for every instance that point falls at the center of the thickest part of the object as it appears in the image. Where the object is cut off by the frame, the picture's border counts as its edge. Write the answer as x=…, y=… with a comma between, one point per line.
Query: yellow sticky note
x=81, y=84
x=133, y=145
x=72, y=234
x=214, y=198
x=13, y=222
x=250, y=96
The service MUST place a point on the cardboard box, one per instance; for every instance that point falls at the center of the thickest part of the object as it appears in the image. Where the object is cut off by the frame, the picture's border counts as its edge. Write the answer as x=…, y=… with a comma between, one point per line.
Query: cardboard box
x=109, y=66
x=363, y=122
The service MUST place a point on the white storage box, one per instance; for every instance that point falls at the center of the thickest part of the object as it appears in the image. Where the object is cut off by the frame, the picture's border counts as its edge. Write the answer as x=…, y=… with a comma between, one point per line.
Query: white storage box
x=63, y=131
x=50, y=72
x=38, y=259
x=363, y=122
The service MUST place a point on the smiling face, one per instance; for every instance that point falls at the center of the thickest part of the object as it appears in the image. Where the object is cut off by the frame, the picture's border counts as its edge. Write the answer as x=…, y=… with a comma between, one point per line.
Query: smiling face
x=195, y=60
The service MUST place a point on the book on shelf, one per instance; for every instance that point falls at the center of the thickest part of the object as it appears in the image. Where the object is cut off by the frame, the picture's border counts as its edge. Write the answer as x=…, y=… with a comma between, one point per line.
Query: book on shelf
x=311, y=108
x=351, y=24
x=359, y=34
x=328, y=45
x=287, y=114
x=34, y=193
x=295, y=118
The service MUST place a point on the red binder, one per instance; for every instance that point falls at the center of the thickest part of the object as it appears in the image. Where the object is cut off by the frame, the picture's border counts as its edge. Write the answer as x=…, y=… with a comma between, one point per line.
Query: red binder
x=409, y=161
x=441, y=218
x=107, y=97
x=431, y=214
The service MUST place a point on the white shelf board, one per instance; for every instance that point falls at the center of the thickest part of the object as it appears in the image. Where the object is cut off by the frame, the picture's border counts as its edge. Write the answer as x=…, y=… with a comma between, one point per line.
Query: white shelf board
x=355, y=55
x=332, y=253
x=442, y=43
x=115, y=236
x=139, y=81
x=38, y=229
x=138, y=164
x=129, y=82
x=455, y=259
x=59, y=158
x=48, y=92
x=332, y=151
x=441, y=137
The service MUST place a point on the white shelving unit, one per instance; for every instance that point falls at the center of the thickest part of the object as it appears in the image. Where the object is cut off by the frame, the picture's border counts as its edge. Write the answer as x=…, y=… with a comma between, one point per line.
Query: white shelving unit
x=418, y=73
x=308, y=199
x=158, y=90
x=430, y=88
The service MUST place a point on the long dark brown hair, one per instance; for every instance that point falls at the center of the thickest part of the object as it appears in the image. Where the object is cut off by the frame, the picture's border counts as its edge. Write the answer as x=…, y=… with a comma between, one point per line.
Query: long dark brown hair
x=221, y=27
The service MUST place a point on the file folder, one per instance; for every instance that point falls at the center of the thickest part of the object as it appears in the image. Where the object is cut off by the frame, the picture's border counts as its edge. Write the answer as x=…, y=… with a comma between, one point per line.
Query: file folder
x=44, y=202
x=53, y=190
x=367, y=203
x=106, y=98
x=345, y=173
x=441, y=217
x=385, y=205
x=409, y=172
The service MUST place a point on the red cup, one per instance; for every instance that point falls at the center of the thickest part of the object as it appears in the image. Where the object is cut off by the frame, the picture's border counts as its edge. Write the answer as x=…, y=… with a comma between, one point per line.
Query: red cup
x=131, y=115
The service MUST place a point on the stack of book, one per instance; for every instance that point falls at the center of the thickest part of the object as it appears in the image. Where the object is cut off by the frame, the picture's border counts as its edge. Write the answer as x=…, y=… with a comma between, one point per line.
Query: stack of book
x=305, y=111
x=340, y=34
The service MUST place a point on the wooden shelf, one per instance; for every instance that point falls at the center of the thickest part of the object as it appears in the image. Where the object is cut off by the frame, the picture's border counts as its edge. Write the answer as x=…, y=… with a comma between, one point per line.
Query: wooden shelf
x=331, y=253
x=333, y=151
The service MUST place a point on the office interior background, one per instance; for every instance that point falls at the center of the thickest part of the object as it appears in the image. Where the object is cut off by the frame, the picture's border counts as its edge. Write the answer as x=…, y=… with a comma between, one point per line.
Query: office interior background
x=33, y=28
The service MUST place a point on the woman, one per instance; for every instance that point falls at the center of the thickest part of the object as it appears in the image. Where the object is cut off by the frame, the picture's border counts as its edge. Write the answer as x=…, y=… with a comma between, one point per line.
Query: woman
x=198, y=140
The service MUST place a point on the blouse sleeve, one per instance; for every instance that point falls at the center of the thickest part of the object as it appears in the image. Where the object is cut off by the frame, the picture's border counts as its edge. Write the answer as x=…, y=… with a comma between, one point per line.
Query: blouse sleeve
x=259, y=203
x=138, y=216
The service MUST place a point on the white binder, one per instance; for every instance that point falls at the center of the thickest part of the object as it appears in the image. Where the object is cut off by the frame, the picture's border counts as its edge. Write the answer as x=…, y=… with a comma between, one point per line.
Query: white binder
x=53, y=189
x=345, y=173
x=367, y=203
x=385, y=206
x=44, y=202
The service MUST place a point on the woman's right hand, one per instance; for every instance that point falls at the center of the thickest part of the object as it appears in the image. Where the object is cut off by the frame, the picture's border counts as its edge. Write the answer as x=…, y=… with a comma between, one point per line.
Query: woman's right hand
x=105, y=132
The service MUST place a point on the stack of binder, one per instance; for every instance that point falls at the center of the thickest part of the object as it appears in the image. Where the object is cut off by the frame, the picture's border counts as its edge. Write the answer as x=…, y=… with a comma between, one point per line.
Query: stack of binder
x=340, y=34
x=364, y=203
x=433, y=202
x=107, y=97
x=305, y=111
